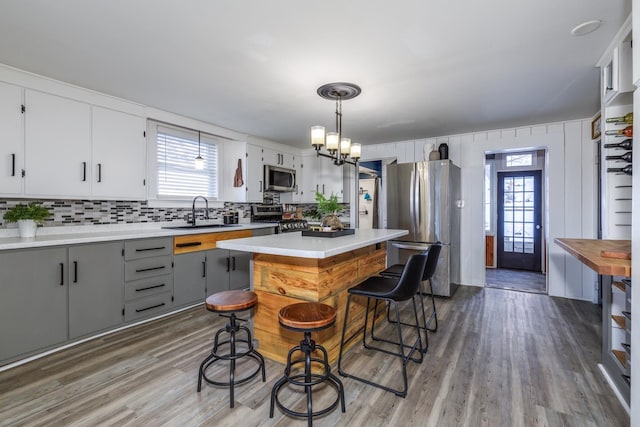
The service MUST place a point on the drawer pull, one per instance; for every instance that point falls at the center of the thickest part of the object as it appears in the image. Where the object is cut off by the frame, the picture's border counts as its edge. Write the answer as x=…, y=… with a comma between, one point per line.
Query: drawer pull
x=139, y=310
x=159, y=248
x=150, y=287
x=149, y=269
x=187, y=244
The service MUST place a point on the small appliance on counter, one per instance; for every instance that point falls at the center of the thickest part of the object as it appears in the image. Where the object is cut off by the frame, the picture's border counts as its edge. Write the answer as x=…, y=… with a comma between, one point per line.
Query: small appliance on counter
x=266, y=213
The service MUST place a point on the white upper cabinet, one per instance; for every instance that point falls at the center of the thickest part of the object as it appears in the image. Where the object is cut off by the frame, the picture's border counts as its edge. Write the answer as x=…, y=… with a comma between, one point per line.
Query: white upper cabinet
x=119, y=154
x=320, y=174
x=255, y=174
x=11, y=140
x=57, y=146
x=635, y=19
x=278, y=158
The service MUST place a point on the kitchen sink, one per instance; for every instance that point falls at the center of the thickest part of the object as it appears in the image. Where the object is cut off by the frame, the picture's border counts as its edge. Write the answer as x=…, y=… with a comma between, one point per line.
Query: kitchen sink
x=193, y=227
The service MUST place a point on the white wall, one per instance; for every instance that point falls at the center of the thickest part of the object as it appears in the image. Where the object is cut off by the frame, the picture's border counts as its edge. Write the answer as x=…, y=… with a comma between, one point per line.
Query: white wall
x=571, y=196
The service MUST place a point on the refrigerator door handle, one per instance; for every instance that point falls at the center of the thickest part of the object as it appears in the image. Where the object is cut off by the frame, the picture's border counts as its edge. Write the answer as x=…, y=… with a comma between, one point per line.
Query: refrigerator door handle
x=412, y=200
x=410, y=247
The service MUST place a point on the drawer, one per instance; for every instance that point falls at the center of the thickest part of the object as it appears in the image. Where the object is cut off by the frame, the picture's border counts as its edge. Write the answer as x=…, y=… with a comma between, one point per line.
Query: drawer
x=149, y=267
x=147, y=248
x=204, y=241
x=146, y=307
x=146, y=287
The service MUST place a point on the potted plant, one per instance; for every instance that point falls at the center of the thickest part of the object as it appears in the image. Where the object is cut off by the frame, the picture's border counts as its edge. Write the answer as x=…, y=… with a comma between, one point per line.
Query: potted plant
x=28, y=217
x=329, y=207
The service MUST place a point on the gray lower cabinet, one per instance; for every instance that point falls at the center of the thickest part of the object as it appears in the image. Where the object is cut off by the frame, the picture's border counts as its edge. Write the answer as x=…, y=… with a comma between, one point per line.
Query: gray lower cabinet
x=148, y=275
x=95, y=288
x=227, y=270
x=189, y=278
x=199, y=274
x=33, y=307
x=239, y=275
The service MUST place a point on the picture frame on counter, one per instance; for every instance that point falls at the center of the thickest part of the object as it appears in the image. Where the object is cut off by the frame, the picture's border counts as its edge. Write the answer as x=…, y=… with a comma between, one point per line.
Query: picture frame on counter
x=596, y=127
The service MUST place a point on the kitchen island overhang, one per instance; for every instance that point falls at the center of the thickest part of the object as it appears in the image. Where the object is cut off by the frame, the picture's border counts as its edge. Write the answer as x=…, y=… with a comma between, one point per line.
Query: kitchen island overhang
x=289, y=268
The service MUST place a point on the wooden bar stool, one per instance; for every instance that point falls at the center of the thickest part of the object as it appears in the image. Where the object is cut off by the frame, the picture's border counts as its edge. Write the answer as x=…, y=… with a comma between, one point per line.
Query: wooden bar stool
x=307, y=317
x=227, y=304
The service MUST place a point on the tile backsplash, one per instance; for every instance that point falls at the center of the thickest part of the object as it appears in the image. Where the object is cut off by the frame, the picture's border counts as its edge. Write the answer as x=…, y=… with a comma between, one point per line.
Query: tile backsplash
x=97, y=212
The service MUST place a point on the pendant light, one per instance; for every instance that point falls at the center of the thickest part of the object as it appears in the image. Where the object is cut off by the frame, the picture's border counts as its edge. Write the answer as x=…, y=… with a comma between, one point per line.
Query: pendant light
x=340, y=149
x=199, y=163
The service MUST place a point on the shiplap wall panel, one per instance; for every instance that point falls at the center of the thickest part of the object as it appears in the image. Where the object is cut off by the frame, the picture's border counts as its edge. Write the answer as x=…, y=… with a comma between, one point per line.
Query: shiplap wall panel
x=572, y=205
x=570, y=187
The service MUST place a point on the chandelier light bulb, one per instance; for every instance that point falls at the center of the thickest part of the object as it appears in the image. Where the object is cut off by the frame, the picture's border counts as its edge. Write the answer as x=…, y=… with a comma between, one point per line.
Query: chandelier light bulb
x=345, y=146
x=332, y=141
x=356, y=151
x=317, y=136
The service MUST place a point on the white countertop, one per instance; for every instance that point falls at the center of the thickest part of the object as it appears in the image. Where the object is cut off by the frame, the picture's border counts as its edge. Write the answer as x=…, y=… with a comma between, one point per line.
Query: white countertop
x=294, y=244
x=55, y=236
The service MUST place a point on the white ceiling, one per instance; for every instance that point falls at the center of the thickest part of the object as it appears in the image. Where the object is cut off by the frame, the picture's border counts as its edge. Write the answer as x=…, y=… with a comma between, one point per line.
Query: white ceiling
x=427, y=68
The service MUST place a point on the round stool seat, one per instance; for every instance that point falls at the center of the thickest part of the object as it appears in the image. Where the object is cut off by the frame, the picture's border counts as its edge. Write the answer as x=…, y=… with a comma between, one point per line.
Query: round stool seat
x=307, y=316
x=227, y=301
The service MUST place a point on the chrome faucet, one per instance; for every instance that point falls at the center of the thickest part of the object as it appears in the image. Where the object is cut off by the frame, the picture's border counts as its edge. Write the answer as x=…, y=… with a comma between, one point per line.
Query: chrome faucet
x=193, y=209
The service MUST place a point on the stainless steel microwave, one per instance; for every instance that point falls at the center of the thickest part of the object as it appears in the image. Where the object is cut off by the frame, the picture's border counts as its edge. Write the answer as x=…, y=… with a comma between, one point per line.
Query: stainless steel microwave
x=277, y=178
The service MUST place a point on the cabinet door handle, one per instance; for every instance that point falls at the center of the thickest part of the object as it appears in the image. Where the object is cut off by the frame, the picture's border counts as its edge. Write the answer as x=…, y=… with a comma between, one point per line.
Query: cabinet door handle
x=99, y=172
x=159, y=248
x=261, y=186
x=228, y=264
x=186, y=244
x=204, y=269
x=140, y=270
x=61, y=274
x=316, y=188
x=84, y=171
x=13, y=164
x=150, y=287
x=322, y=188
x=75, y=271
x=233, y=263
x=139, y=310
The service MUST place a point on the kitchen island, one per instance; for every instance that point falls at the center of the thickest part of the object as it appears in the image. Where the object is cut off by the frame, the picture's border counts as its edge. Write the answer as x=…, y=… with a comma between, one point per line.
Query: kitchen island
x=290, y=268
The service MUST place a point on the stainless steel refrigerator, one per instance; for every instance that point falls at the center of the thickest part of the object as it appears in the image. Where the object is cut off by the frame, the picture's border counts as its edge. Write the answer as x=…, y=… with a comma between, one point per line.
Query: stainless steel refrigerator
x=424, y=198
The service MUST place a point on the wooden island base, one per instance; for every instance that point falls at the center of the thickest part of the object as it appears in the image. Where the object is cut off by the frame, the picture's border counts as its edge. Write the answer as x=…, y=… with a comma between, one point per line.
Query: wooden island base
x=282, y=280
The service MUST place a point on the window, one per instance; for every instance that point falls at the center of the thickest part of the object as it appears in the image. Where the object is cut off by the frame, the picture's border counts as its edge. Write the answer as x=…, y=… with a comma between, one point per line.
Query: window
x=176, y=176
x=515, y=160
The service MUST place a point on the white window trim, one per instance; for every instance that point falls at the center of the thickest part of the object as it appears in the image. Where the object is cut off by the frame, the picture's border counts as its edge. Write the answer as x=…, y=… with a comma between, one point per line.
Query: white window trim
x=152, y=180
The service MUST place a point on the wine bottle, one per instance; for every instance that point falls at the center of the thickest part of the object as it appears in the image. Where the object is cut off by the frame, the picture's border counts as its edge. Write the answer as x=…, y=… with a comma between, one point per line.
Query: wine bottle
x=626, y=157
x=627, y=118
x=627, y=144
x=628, y=131
x=627, y=170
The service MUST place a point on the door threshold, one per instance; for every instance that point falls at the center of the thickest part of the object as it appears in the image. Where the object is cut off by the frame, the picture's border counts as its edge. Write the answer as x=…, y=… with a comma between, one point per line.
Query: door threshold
x=513, y=288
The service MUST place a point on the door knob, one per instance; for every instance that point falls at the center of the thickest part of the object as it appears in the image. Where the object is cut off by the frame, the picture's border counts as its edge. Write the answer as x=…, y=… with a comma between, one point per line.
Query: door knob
x=538, y=227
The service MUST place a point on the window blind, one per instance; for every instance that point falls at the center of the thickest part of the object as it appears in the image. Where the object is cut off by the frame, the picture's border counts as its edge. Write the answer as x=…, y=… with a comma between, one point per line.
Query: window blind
x=176, y=152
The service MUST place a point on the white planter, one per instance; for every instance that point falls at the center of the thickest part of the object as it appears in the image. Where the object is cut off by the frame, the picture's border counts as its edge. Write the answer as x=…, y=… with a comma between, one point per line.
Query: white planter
x=27, y=228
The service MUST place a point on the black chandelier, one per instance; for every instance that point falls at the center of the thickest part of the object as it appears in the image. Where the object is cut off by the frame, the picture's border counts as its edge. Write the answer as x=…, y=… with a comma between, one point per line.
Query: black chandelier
x=340, y=149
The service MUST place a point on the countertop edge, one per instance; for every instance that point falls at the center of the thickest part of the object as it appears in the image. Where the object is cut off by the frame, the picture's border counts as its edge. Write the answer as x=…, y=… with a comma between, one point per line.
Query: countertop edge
x=74, y=238
x=264, y=245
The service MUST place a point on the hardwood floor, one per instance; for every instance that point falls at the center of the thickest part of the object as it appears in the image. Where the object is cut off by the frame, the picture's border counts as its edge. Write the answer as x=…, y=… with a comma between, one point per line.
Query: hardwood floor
x=499, y=358
x=516, y=280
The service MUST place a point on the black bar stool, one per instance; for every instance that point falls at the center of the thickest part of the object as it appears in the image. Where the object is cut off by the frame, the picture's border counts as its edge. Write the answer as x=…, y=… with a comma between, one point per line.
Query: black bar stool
x=307, y=317
x=392, y=291
x=395, y=271
x=227, y=304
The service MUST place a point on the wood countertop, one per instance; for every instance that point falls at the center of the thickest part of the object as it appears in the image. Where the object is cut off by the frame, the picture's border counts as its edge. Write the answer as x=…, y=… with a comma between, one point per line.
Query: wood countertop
x=588, y=251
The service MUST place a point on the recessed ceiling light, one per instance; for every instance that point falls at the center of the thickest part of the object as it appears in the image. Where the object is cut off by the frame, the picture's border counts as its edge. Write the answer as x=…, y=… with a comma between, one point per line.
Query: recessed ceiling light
x=586, y=28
